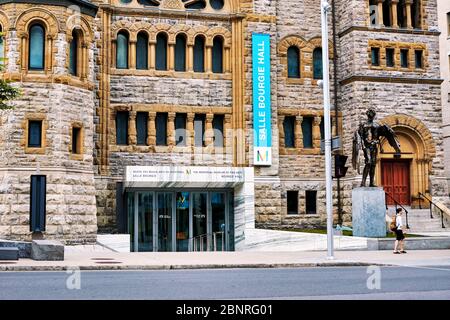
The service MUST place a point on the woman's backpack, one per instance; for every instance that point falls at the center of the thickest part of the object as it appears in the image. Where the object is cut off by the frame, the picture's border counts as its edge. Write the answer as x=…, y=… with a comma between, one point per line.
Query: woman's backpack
x=393, y=224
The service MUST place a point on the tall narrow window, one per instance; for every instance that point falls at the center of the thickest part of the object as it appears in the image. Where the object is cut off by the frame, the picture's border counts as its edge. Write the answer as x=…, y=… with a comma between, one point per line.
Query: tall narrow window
x=217, y=55
x=180, y=129
x=161, y=51
x=35, y=134
x=311, y=202
x=448, y=24
x=292, y=202
x=180, y=53
x=76, y=140
x=122, y=50
x=199, y=130
x=418, y=54
x=401, y=14
x=317, y=61
x=289, y=132
x=199, y=54
x=322, y=127
x=293, y=57
x=37, y=47
x=122, y=127
x=387, y=21
x=404, y=58
x=142, y=51
x=218, y=130
x=307, y=125
x=416, y=14
x=73, y=55
x=390, y=61
x=141, y=128
x=375, y=56
x=373, y=10
x=161, y=129
x=38, y=191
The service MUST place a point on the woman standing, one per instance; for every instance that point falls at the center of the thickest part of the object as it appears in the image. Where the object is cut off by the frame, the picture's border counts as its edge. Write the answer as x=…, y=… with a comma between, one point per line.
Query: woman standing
x=400, y=237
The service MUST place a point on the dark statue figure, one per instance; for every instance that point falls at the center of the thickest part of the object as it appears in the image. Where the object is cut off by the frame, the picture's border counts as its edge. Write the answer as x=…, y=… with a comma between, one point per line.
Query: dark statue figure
x=367, y=138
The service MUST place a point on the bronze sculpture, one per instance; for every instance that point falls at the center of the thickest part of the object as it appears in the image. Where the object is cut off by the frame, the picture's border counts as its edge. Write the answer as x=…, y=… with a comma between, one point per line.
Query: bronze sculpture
x=368, y=138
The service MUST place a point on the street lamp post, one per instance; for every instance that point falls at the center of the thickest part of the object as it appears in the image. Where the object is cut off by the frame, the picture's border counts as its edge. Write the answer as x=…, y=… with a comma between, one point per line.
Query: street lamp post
x=325, y=9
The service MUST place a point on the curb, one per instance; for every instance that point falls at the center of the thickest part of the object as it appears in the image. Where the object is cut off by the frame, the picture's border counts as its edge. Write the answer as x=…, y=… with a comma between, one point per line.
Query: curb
x=189, y=267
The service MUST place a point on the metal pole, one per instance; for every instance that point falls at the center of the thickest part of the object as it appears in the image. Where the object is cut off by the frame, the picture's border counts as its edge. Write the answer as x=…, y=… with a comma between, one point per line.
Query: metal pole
x=325, y=9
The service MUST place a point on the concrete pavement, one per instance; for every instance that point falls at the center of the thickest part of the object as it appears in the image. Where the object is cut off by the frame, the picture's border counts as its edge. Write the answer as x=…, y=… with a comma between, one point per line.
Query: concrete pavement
x=106, y=260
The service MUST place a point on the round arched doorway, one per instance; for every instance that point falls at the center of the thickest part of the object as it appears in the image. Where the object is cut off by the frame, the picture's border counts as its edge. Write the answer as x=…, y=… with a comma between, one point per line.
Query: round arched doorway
x=405, y=177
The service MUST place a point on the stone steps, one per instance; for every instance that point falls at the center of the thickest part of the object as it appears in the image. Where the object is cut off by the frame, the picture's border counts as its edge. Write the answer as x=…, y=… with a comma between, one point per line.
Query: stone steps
x=419, y=220
x=9, y=253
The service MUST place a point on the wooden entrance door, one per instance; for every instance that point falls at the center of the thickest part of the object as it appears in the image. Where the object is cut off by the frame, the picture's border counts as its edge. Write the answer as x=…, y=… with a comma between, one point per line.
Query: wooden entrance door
x=395, y=180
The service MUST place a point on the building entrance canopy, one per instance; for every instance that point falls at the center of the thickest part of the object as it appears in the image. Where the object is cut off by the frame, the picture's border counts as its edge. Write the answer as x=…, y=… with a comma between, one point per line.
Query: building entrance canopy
x=180, y=177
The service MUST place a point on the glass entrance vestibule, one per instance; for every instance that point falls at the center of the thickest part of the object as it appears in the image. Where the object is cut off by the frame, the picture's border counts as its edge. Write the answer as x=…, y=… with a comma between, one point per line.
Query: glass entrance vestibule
x=180, y=220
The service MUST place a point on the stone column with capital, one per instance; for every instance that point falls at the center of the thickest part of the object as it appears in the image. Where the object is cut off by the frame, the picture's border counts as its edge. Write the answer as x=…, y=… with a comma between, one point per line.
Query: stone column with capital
x=394, y=6
x=209, y=133
x=408, y=4
x=151, y=128
x=132, y=128
x=298, y=132
x=281, y=130
x=380, y=17
x=132, y=55
x=171, y=129
x=316, y=132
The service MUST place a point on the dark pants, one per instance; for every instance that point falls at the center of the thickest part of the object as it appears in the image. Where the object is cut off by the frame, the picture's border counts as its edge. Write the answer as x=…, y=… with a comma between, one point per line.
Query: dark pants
x=399, y=234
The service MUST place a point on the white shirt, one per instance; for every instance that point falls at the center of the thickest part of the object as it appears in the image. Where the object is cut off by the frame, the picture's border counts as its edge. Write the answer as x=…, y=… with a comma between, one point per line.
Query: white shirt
x=399, y=222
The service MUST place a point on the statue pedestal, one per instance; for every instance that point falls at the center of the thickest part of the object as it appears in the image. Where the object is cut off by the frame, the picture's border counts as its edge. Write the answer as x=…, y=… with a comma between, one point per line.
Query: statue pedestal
x=369, y=212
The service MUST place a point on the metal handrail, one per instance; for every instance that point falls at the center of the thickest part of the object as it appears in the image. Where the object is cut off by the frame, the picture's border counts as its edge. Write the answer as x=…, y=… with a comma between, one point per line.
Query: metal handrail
x=200, y=240
x=421, y=195
x=396, y=203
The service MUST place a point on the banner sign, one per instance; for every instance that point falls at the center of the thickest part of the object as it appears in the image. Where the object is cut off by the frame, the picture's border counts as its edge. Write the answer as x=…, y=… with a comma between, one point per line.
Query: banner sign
x=262, y=131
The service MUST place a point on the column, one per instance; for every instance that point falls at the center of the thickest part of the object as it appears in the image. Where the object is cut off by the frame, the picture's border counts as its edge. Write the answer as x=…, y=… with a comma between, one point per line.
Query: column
x=209, y=133
x=49, y=55
x=208, y=60
x=380, y=13
x=408, y=4
x=298, y=132
x=227, y=133
x=171, y=129
x=132, y=55
x=114, y=54
x=316, y=132
x=132, y=128
x=24, y=59
x=152, y=55
x=190, y=58
x=84, y=63
x=190, y=129
x=171, y=56
x=151, y=128
x=281, y=130
x=227, y=62
x=394, y=4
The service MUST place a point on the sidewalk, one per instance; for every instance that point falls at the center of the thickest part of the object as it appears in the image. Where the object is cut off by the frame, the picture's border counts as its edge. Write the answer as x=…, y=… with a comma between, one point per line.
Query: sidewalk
x=104, y=260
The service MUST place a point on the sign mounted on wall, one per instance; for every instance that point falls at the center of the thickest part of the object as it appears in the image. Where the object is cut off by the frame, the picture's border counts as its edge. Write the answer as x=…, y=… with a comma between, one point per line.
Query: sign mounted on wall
x=262, y=131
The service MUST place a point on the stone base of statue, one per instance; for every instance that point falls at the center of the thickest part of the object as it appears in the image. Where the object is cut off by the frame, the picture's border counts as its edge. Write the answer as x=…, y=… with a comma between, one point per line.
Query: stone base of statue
x=369, y=212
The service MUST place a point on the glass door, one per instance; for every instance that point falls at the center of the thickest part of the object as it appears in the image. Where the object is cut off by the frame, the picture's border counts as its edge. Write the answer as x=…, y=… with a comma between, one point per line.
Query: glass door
x=199, y=222
x=145, y=221
x=218, y=227
x=182, y=221
x=165, y=221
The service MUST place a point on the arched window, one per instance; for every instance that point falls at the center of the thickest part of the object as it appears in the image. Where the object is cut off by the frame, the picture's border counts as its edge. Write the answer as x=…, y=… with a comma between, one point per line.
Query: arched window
x=416, y=15
x=199, y=54
x=161, y=51
x=317, y=63
x=180, y=53
x=37, y=47
x=293, y=60
x=217, y=55
x=387, y=21
x=142, y=51
x=122, y=50
x=73, y=54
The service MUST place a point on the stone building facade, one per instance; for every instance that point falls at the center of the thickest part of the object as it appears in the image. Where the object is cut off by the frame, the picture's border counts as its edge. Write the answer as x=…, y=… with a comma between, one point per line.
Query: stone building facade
x=148, y=68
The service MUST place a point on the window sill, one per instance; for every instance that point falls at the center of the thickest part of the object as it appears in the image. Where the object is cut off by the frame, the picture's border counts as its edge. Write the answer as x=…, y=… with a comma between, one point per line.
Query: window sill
x=43, y=77
x=300, y=151
x=76, y=157
x=172, y=74
x=31, y=150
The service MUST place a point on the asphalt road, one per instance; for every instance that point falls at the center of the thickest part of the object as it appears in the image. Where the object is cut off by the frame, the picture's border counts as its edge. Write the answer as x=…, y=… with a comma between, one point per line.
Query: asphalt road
x=302, y=283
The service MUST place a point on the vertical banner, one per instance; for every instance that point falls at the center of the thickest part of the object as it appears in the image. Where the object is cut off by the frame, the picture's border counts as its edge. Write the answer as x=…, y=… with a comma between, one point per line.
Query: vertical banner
x=262, y=131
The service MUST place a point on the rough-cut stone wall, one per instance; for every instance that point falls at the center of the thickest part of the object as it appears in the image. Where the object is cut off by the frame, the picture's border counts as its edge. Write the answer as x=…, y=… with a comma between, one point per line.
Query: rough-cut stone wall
x=71, y=209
